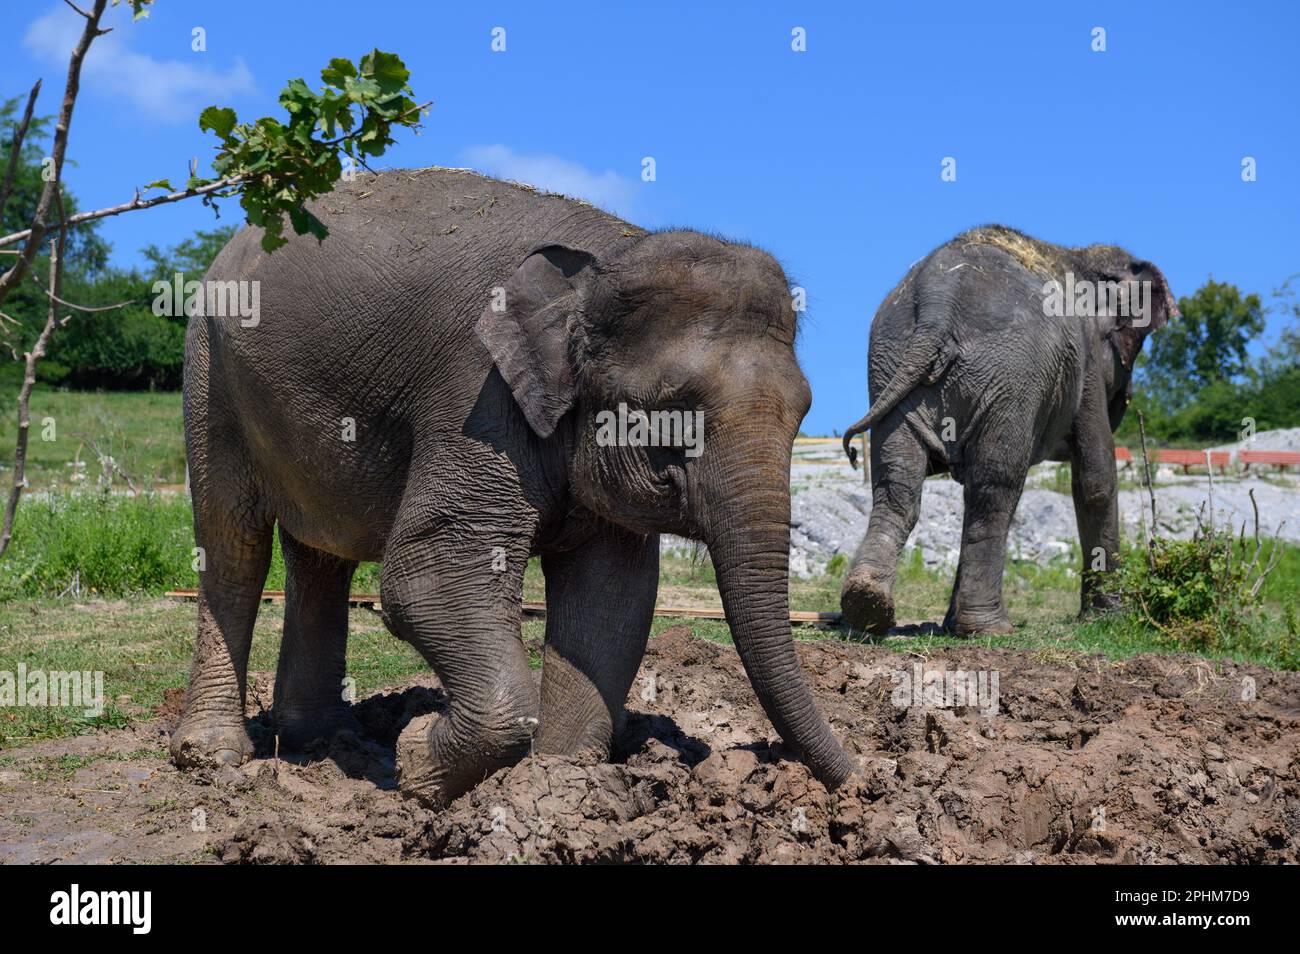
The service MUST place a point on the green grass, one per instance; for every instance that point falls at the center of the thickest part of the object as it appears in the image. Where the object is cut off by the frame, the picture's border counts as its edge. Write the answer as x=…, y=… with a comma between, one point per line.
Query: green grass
x=143, y=644
x=95, y=544
x=128, y=551
x=141, y=430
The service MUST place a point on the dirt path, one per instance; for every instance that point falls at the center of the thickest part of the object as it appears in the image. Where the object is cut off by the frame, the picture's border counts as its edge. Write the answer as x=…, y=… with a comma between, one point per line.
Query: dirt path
x=1155, y=759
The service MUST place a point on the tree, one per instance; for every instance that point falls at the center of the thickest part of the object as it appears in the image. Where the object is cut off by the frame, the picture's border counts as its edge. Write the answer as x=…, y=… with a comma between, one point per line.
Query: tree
x=131, y=347
x=273, y=167
x=192, y=256
x=1206, y=345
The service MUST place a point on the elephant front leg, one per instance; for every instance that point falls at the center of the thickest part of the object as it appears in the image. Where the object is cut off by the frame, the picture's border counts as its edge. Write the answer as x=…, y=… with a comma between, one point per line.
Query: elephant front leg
x=599, y=605
x=454, y=594
x=1093, y=486
x=977, y=605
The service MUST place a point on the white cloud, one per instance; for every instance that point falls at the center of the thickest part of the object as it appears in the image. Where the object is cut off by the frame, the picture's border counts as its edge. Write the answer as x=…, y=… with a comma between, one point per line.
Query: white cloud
x=166, y=90
x=606, y=189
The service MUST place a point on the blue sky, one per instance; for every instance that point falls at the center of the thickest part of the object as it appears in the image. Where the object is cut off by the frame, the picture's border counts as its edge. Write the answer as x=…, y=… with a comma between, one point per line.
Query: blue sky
x=829, y=158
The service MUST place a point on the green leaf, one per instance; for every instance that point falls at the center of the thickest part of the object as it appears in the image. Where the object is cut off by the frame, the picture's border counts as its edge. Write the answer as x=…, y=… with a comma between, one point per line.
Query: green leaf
x=338, y=72
x=388, y=70
x=304, y=222
x=139, y=8
x=160, y=184
x=220, y=120
x=361, y=89
x=271, y=242
x=297, y=96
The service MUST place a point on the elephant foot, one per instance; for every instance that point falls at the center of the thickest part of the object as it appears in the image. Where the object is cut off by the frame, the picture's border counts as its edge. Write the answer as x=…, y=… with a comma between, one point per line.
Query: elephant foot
x=867, y=605
x=198, y=743
x=1101, y=604
x=435, y=780
x=996, y=624
x=297, y=730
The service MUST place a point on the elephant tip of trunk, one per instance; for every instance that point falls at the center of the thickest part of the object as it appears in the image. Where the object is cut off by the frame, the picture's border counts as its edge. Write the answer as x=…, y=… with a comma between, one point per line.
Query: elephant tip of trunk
x=832, y=768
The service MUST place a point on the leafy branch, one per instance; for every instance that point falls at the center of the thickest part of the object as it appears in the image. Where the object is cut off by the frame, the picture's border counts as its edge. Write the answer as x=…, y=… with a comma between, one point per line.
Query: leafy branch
x=277, y=168
x=280, y=167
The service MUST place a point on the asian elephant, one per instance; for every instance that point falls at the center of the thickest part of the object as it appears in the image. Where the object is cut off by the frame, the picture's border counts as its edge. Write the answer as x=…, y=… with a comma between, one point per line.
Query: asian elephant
x=995, y=352
x=426, y=388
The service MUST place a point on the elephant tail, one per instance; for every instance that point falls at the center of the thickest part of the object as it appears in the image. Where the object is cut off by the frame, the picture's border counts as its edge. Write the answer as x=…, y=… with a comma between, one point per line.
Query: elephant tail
x=923, y=363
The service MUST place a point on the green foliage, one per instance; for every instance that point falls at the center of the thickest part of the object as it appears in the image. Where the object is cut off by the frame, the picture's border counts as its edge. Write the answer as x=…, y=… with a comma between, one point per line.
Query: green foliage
x=105, y=545
x=1205, y=345
x=192, y=257
x=139, y=8
x=110, y=545
x=1196, y=384
x=129, y=347
x=1200, y=594
x=283, y=166
x=280, y=167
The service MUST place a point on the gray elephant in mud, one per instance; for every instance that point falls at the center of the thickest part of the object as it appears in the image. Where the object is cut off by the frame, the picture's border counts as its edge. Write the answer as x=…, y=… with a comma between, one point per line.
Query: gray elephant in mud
x=995, y=352
x=431, y=387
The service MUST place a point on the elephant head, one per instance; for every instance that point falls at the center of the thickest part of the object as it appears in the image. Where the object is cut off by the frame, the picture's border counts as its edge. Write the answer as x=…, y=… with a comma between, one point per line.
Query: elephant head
x=1140, y=303
x=683, y=331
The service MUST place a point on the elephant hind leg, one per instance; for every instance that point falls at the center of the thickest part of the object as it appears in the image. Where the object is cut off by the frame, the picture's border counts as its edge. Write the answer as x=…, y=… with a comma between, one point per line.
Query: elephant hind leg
x=446, y=591
x=599, y=606
x=898, y=467
x=992, y=492
x=233, y=533
x=309, y=700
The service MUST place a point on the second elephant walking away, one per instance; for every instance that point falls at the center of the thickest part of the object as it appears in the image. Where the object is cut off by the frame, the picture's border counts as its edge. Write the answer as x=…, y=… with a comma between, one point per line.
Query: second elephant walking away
x=995, y=352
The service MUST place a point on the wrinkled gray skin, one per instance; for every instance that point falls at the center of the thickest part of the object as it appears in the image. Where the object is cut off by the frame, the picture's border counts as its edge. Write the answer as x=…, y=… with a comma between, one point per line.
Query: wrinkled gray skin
x=968, y=376
x=474, y=449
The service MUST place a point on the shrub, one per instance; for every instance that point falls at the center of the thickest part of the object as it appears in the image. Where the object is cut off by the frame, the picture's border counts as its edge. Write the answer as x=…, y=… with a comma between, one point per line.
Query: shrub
x=1202, y=593
x=98, y=544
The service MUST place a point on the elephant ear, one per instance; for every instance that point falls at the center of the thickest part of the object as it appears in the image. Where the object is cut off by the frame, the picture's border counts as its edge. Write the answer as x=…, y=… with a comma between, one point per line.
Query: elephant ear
x=1129, y=334
x=527, y=327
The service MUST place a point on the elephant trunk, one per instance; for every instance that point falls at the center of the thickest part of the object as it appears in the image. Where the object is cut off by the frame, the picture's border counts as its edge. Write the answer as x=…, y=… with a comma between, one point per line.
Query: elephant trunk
x=748, y=535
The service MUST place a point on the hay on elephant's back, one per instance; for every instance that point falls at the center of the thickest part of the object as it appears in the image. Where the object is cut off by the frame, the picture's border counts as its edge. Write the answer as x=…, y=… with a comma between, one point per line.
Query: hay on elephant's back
x=1042, y=258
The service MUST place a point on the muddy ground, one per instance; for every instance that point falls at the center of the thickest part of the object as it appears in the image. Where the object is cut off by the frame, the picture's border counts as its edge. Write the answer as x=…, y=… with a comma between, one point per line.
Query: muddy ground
x=1154, y=759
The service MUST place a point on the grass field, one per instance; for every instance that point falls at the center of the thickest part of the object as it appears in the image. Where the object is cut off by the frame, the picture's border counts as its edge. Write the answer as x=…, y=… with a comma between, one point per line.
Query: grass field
x=81, y=588
x=141, y=431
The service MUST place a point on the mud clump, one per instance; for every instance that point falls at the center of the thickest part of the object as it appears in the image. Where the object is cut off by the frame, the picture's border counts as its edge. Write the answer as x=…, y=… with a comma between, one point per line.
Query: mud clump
x=1077, y=760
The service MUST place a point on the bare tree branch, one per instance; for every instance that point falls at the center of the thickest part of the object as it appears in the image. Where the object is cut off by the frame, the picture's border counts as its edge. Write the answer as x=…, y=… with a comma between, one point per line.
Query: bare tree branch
x=1146, y=470
x=40, y=221
x=89, y=309
x=132, y=206
x=138, y=203
x=24, y=396
x=16, y=145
